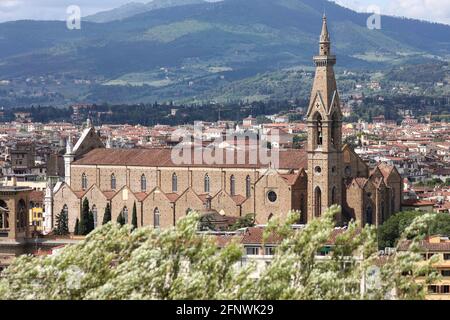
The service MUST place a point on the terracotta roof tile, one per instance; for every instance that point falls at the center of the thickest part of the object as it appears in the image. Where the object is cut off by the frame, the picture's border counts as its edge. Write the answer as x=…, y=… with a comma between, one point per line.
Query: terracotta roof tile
x=238, y=199
x=162, y=157
x=172, y=196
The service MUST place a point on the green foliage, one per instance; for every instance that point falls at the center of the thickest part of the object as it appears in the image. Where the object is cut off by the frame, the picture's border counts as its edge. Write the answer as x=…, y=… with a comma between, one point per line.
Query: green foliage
x=107, y=216
x=120, y=219
x=245, y=222
x=134, y=219
x=84, y=218
x=91, y=223
x=389, y=233
x=179, y=263
x=62, y=224
x=77, y=227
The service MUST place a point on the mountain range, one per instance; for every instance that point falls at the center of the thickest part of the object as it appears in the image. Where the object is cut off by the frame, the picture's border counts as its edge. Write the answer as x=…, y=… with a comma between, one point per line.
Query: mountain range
x=183, y=49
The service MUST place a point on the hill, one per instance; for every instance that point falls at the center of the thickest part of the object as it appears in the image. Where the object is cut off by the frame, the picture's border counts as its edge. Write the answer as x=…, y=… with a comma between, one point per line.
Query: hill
x=193, y=47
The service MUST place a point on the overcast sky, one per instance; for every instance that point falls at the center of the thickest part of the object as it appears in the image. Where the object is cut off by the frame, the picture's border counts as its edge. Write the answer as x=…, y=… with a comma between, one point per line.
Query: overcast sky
x=432, y=10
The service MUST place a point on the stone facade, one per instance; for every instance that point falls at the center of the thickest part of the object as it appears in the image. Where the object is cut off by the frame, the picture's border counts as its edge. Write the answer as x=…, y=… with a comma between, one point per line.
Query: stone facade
x=310, y=180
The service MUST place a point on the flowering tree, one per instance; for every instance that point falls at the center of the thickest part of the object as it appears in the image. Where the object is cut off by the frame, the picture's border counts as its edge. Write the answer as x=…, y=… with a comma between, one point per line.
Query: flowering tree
x=114, y=262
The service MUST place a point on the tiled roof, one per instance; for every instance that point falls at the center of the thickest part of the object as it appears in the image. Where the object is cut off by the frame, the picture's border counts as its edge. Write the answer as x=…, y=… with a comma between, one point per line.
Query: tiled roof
x=427, y=246
x=255, y=236
x=172, y=196
x=290, y=178
x=36, y=196
x=162, y=157
x=238, y=199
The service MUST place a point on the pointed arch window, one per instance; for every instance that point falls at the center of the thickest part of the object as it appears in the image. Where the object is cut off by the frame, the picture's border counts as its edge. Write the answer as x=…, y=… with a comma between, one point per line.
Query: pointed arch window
x=318, y=202
x=248, y=187
x=369, y=215
x=143, y=183
x=174, y=183
x=232, y=185
x=21, y=215
x=334, y=130
x=113, y=182
x=4, y=215
x=319, y=130
x=207, y=183
x=84, y=181
x=125, y=214
x=156, y=216
x=333, y=196
x=302, y=209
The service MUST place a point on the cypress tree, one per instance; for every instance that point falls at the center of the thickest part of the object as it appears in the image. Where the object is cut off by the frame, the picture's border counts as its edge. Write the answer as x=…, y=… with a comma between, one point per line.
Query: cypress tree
x=62, y=225
x=84, y=219
x=77, y=227
x=107, y=215
x=91, y=225
x=134, y=221
x=120, y=219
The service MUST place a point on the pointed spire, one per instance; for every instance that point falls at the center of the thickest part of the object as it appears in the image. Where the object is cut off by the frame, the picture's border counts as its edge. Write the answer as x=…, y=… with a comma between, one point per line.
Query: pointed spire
x=324, y=36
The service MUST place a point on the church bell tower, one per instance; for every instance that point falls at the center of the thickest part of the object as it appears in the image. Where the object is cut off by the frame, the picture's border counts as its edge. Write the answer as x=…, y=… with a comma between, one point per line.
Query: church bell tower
x=324, y=145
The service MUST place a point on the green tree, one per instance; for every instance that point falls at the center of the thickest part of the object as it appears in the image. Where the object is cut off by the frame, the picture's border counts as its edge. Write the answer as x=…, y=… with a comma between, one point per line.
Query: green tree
x=107, y=216
x=91, y=223
x=84, y=218
x=244, y=222
x=121, y=219
x=389, y=232
x=62, y=224
x=77, y=227
x=134, y=219
x=114, y=263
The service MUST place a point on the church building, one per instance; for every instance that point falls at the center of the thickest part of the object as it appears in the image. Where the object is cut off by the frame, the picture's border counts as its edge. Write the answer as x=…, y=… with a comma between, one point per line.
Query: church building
x=326, y=172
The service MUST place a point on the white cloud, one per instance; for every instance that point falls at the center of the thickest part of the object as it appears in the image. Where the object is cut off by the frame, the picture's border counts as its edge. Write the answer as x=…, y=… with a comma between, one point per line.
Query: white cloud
x=431, y=10
x=434, y=10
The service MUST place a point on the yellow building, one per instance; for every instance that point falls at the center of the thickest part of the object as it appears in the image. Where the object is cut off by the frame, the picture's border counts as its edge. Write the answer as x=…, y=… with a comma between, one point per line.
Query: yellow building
x=36, y=211
x=437, y=246
x=36, y=218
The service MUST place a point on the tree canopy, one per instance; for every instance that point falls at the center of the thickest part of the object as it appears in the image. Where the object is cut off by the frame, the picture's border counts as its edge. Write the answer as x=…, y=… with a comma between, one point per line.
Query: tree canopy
x=114, y=262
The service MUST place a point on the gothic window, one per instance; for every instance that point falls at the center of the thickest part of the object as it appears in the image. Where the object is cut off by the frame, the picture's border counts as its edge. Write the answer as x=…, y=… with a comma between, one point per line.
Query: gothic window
x=174, y=183
x=248, y=187
x=84, y=181
x=4, y=215
x=319, y=130
x=125, y=214
x=348, y=171
x=369, y=215
x=232, y=185
x=318, y=202
x=383, y=213
x=189, y=210
x=393, y=202
x=113, y=182
x=95, y=214
x=333, y=196
x=156, y=216
x=207, y=184
x=21, y=215
x=334, y=130
x=143, y=183
x=302, y=209
x=270, y=217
